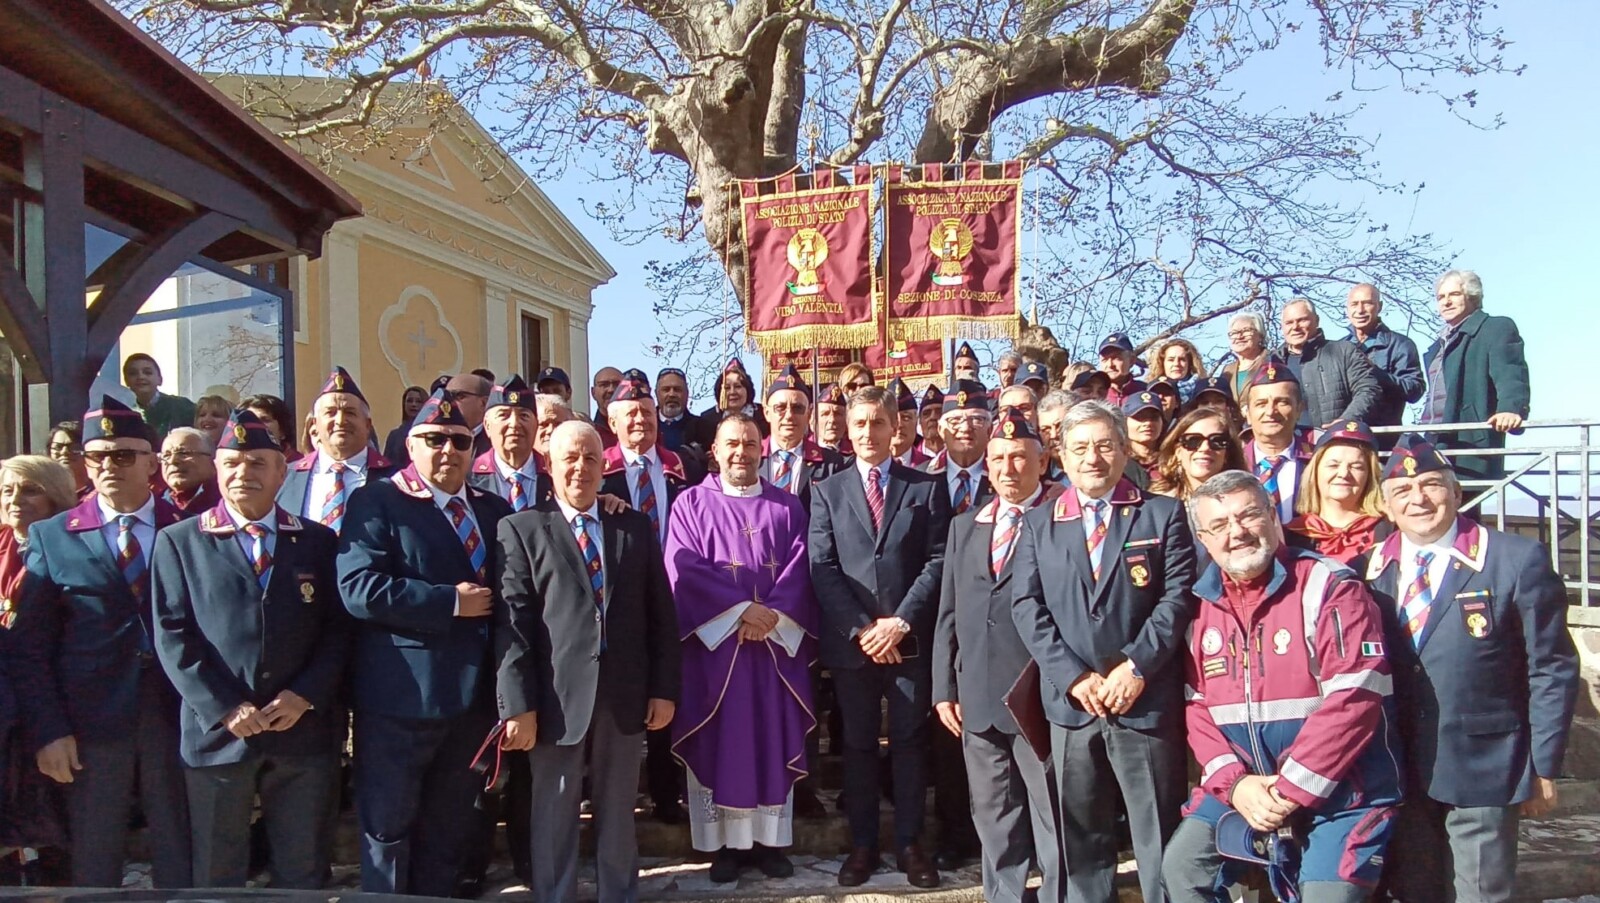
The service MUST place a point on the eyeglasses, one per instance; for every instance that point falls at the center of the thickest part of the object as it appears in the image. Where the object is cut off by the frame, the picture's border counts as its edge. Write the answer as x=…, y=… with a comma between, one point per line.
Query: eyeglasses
x=1241, y=333
x=180, y=454
x=122, y=457
x=1193, y=441
x=969, y=420
x=65, y=448
x=1250, y=520
x=439, y=440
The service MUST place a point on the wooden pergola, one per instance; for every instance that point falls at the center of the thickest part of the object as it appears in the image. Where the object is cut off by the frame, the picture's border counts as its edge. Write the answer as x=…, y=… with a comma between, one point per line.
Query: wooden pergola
x=102, y=127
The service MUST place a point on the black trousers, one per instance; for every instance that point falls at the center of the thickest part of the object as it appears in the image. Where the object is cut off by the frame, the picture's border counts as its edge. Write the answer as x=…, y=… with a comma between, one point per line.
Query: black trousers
x=861, y=692
x=294, y=800
x=663, y=775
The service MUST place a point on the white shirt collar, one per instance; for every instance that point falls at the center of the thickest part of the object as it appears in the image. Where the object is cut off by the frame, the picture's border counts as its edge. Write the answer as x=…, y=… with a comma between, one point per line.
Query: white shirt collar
x=358, y=462
x=632, y=458
x=740, y=492
x=1084, y=501
x=1443, y=547
x=974, y=471
x=442, y=498
x=568, y=512
x=269, y=523
x=529, y=468
x=146, y=515
x=1024, y=505
x=798, y=446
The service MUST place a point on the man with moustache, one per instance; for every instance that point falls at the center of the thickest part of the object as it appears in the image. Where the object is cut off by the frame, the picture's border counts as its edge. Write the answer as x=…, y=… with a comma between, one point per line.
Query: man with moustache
x=1278, y=451
x=189, y=471
x=510, y=469
x=905, y=448
x=977, y=658
x=1006, y=367
x=650, y=478
x=1486, y=678
x=251, y=631
x=417, y=573
x=102, y=715
x=588, y=654
x=877, y=550
x=320, y=484
x=1102, y=580
x=928, y=421
x=831, y=432
x=679, y=426
x=1289, y=713
x=790, y=459
x=1395, y=362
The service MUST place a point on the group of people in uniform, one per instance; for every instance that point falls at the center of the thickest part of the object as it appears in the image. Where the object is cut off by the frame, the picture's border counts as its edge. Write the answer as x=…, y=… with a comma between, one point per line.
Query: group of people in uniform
x=535, y=600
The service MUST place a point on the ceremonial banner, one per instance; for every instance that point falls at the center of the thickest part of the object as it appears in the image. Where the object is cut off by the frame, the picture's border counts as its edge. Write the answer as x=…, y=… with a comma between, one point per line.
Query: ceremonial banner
x=953, y=251
x=829, y=362
x=808, y=263
x=923, y=363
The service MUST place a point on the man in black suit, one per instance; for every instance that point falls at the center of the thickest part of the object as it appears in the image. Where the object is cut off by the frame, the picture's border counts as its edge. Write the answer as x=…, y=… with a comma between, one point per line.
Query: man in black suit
x=1102, y=601
x=588, y=657
x=251, y=631
x=877, y=552
x=416, y=569
x=977, y=658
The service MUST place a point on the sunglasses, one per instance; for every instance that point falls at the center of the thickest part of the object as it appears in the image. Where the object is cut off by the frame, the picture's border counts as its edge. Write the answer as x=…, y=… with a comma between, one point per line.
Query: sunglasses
x=457, y=396
x=122, y=457
x=439, y=440
x=1193, y=441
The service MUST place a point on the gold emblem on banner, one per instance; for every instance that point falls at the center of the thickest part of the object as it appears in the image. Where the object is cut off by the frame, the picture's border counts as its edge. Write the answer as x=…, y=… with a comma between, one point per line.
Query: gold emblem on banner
x=808, y=248
x=951, y=242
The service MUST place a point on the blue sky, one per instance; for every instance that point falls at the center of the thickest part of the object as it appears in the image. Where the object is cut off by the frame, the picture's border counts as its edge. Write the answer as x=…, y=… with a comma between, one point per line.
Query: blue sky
x=1516, y=202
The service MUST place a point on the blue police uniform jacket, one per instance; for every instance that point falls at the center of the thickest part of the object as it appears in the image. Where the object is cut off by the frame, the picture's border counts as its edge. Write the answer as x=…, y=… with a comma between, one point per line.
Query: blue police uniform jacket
x=399, y=562
x=83, y=639
x=1486, y=699
x=224, y=641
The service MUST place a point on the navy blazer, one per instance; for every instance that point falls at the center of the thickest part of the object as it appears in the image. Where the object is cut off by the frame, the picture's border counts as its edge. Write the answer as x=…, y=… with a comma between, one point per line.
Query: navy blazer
x=861, y=575
x=82, y=640
x=1138, y=610
x=1486, y=702
x=548, y=634
x=982, y=493
x=399, y=563
x=977, y=653
x=224, y=641
x=297, y=483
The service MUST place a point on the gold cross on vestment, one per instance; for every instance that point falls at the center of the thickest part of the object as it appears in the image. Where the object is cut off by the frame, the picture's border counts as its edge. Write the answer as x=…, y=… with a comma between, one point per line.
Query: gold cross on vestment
x=749, y=530
x=772, y=564
x=734, y=566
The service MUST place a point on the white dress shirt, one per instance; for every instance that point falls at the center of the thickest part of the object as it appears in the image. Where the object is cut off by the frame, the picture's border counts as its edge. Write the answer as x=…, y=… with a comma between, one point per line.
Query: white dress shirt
x=1443, y=550
x=596, y=535
x=355, y=476
x=658, y=482
x=1288, y=481
x=247, y=543
x=144, y=527
x=952, y=476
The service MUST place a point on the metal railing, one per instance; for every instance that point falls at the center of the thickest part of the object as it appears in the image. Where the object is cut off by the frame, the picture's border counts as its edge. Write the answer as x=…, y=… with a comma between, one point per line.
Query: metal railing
x=1547, y=493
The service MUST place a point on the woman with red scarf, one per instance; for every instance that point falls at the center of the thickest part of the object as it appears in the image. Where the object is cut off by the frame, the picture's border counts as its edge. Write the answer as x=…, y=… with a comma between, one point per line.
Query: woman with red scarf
x=32, y=488
x=1339, y=504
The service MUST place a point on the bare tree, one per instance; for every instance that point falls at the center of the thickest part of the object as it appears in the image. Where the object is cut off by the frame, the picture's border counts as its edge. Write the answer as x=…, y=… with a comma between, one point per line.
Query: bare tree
x=1166, y=200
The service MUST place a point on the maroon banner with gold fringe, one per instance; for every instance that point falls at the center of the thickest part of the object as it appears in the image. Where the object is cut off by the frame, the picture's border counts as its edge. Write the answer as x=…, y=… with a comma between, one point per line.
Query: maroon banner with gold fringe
x=953, y=251
x=808, y=262
x=829, y=362
x=920, y=363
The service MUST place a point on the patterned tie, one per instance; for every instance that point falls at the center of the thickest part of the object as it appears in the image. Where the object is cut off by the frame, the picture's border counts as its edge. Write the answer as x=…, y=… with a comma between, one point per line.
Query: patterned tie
x=1418, y=599
x=963, y=498
x=591, y=563
x=332, y=515
x=260, y=559
x=467, y=531
x=519, y=491
x=1095, y=527
x=875, y=497
x=130, y=555
x=783, y=471
x=645, y=495
x=1005, y=538
x=1267, y=473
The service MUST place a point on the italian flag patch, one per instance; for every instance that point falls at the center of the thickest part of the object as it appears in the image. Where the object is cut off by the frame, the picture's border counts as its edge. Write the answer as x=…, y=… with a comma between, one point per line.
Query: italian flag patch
x=1372, y=650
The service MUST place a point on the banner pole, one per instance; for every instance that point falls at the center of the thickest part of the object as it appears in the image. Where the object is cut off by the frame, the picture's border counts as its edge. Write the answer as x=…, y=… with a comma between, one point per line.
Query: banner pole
x=816, y=390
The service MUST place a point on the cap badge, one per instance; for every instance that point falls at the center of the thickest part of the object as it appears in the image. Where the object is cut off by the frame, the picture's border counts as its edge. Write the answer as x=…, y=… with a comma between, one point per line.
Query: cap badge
x=240, y=433
x=106, y=425
x=961, y=397
x=512, y=398
x=1410, y=465
x=1350, y=425
x=444, y=408
x=1010, y=430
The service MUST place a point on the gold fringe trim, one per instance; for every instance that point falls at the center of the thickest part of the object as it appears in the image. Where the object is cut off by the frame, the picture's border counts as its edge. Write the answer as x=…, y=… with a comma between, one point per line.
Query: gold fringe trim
x=923, y=329
x=801, y=338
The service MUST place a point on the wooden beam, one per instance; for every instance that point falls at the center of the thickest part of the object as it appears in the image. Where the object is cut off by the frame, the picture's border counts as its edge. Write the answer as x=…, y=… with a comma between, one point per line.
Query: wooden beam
x=22, y=321
x=142, y=273
x=52, y=238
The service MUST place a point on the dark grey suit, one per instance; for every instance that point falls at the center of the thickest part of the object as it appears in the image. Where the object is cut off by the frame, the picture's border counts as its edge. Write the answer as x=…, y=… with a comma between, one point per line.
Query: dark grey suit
x=977, y=657
x=589, y=696
x=1072, y=624
x=860, y=575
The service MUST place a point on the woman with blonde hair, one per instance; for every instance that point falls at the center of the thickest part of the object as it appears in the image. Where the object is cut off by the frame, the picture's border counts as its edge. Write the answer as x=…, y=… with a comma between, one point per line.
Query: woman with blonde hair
x=211, y=415
x=1247, y=339
x=1339, y=511
x=1199, y=446
x=1178, y=362
x=855, y=376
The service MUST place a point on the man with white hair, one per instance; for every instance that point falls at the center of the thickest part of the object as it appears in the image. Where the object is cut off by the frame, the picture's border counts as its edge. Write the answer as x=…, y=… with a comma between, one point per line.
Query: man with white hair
x=1006, y=367
x=1477, y=372
x=319, y=485
x=1288, y=713
x=189, y=471
x=1337, y=382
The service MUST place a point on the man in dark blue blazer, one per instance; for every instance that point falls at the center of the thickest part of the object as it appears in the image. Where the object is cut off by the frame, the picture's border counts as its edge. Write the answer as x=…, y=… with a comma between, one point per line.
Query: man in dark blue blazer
x=1103, y=578
x=1485, y=676
x=342, y=458
x=417, y=570
x=978, y=657
x=101, y=714
x=509, y=468
x=251, y=631
x=877, y=540
x=588, y=652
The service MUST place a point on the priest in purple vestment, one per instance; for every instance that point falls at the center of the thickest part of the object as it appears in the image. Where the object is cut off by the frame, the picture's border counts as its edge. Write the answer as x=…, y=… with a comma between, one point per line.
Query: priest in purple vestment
x=736, y=559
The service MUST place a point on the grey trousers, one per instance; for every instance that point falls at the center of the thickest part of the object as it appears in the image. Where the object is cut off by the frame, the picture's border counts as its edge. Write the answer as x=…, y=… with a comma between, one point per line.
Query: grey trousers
x=1014, y=812
x=294, y=801
x=1449, y=854
x=102, y=794
x=1190, y=871
x=1092, y=765
x=613, y=760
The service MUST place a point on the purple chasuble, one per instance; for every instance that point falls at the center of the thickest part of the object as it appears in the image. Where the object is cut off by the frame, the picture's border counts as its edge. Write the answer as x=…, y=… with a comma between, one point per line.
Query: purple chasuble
x=741, y=727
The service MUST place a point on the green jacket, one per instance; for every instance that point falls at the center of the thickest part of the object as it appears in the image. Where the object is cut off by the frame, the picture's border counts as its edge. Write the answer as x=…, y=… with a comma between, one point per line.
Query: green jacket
x=1485, y=373
x=168, y=413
